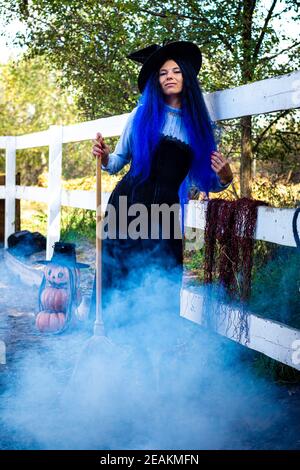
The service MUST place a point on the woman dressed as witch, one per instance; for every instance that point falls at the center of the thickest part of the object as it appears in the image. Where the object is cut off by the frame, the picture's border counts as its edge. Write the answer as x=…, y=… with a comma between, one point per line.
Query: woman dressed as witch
x=169, y=141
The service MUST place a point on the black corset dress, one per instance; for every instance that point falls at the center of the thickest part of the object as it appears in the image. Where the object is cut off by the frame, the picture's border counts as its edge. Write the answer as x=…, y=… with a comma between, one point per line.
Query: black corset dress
x=124, y=258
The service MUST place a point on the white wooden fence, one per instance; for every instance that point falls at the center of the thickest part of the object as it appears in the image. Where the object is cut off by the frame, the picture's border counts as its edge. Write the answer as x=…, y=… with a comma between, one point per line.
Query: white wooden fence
x=275, y=225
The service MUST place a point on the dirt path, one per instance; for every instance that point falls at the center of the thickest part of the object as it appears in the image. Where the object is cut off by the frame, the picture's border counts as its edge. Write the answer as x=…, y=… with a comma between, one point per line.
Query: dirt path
x=18, y=307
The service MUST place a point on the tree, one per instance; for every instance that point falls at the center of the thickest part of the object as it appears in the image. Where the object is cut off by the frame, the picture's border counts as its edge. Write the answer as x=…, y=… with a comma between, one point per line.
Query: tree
x=89, y=41
x=241, y=43
x=32, y=100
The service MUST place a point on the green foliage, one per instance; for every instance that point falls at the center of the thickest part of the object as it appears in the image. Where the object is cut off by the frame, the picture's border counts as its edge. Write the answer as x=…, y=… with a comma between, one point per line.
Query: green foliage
x=193, y=262
x=265, y=366
x=275, y=290
x=31, y=100
x=77, y=224
x=277, y=195
x=2, y=161
x=276, y=144
x=34, y=216
x=88, y=41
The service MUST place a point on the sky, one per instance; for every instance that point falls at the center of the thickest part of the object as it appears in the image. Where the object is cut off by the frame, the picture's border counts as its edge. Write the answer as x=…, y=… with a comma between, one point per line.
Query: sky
x=7, y=49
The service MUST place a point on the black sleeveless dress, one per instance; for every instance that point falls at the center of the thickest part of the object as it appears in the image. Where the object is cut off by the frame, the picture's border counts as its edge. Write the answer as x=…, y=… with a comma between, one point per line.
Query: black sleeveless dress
x=124, y=260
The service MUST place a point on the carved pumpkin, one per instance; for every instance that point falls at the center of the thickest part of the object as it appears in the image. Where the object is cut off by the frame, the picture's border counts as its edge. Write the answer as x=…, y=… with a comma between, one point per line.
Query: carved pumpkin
x=57, y=275
x=54, y=299
x=50, y=322
x=59, y=295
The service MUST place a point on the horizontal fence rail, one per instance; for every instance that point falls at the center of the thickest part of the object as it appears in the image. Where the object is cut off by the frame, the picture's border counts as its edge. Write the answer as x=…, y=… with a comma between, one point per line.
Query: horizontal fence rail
x=274, y=94
x=273, y=225
x=272, y=338
x=264, y=96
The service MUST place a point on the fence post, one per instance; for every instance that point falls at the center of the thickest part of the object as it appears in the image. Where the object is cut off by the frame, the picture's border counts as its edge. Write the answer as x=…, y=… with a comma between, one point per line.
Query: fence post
x=54, y=187
x=10, y=188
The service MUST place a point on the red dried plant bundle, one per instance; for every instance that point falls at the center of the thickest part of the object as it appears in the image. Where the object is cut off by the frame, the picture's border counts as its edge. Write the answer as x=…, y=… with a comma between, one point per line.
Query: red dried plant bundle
x=229, y=242
x=228, y=259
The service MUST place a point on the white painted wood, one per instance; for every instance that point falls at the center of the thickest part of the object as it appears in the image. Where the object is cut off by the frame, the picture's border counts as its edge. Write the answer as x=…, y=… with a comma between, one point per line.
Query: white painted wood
x=54, y=188
x=2, y=142
x=2, y=352
x=269, y=337
x=2, y=192
x=274, y=94
x=32, y=193
x=10, y=187
x=109, y=127
x=29, y=274
x=264, y=96
x=195, y=214
x=273, y=224
x=79, y=199
x=36, y=139
x=83, y=199
x=75, y=198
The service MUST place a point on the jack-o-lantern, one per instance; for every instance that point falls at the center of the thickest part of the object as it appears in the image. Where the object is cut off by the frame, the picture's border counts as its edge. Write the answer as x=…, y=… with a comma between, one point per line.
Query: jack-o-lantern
x=59, y=294
x=57, y=276
x=50, y=322
x=55, y=299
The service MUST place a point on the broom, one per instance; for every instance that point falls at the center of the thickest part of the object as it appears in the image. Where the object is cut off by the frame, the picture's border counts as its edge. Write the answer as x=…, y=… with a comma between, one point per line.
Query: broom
x=99, y=354
x=99, y=338
x=102, y=366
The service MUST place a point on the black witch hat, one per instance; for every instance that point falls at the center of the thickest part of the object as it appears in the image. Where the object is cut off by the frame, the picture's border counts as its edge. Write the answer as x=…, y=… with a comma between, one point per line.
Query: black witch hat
x=152, y=57
x=64, y=254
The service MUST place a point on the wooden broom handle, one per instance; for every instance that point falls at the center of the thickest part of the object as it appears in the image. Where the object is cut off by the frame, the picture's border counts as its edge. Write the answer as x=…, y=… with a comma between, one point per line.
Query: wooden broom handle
x=99, y=326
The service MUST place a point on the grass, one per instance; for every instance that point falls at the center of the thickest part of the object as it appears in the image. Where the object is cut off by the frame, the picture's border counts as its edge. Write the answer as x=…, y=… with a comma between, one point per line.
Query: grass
x=34, y=216
x=193, y=262
x=75, y=223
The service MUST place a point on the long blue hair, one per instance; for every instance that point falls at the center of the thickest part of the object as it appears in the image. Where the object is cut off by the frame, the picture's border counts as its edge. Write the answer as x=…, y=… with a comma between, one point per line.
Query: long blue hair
x=148, y=124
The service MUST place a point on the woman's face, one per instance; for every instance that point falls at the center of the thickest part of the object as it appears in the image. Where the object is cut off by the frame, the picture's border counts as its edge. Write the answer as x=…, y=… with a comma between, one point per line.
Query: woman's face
x=170, y=78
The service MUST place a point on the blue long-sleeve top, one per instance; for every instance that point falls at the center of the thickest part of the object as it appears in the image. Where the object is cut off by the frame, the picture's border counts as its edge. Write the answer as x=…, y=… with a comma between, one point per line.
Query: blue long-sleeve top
x=173, y=127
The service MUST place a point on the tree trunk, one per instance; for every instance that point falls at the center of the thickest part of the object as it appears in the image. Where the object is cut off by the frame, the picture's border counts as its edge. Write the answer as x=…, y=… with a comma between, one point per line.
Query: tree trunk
x=246, y=121
x=246, y=157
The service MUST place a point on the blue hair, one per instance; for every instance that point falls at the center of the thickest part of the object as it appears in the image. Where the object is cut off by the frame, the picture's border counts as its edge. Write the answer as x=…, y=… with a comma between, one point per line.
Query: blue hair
x=199, y=127
x=146, y=127
x=149, y=120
